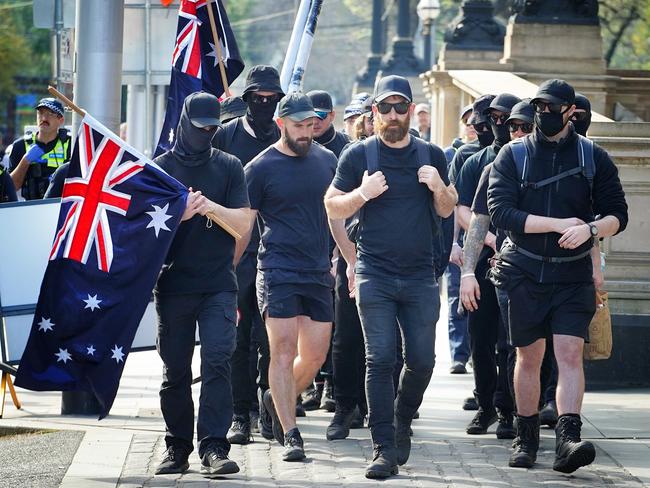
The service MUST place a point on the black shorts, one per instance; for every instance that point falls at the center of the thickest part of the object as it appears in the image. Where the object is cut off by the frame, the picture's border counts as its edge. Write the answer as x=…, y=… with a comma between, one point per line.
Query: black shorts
x=539, y=310
x=284, y=294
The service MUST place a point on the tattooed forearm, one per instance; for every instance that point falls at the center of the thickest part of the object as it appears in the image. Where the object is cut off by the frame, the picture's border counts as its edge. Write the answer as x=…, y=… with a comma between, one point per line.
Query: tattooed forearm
x=478, y=229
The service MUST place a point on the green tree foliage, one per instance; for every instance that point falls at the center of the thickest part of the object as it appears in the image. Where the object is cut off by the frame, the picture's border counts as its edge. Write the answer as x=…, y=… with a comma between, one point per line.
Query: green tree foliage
x=625, y=26
x=13, y=51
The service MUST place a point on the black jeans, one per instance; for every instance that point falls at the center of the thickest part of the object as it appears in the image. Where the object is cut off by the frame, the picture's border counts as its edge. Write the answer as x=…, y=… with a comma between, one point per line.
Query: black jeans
x=416, y=305
x=251, y=339
x=177, y=319
x=348, y=359
x=490, y=349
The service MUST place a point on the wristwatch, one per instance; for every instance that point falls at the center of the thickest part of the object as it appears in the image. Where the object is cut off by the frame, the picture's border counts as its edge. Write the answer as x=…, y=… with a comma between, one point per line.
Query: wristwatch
x=593, y=229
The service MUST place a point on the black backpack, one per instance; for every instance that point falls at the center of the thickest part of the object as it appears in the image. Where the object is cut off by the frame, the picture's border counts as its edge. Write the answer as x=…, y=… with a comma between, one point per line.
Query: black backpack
x=443, y=228
x=587, y=166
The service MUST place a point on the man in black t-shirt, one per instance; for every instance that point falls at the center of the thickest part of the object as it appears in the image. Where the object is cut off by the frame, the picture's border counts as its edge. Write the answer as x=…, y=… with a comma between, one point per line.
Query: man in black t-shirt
x=394, y=269
x=286, y=185
x=197, y=284
x=324, y=132
x=245, y=137
x=34, y=157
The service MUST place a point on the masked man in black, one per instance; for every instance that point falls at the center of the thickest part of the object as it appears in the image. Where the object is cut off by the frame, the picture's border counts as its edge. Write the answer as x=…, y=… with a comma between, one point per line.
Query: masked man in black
x=245, y=137
x=197, y=284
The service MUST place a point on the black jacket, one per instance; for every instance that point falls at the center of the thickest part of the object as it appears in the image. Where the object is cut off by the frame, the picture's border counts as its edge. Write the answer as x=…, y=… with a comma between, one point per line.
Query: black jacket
x=510, y=205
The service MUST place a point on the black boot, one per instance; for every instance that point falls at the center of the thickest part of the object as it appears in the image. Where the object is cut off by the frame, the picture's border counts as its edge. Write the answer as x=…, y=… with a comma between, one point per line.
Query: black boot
x=482, y=422
x=570, y=451
x=311, y=397
x=327, y=402
x=403, y=435
x=505, y=427
x=548, y=414
x=384, y=463
x=339, y=428
x=526, y=443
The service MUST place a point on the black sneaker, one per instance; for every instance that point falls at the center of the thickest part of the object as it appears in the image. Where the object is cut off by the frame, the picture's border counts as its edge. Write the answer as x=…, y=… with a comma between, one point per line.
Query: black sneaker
x=300, y=409
x=327, y=402
x=403, y=435
x=276, y=426
x=505, y=427
x=174, y=461
x=481, y=422
x=254, y=415
x=571, y=452
x=384, y=463
x=311, y=397
x=470, y=403
x=526, y=443
x=548, y=414
x=458, y=367
x=341, y=423
x=240, y=430
x=293, y=446
x=265, y=420
x=215, y=462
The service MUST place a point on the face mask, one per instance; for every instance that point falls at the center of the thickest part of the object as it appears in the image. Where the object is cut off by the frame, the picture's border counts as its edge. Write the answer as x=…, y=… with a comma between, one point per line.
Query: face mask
x=193, y=145
x=549, y=123
x=501, y=133
x=485, y=138
x=260, y=118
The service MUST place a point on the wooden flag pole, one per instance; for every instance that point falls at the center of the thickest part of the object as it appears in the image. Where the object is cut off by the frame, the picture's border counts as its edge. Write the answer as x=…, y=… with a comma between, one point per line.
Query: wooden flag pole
x=54, y=92
x=217, y=47
x=219, y=221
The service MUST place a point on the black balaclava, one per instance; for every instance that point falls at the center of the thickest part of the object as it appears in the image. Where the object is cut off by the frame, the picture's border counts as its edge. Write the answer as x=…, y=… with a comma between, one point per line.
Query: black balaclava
x=484, y=138
x=503, y=103
x=581, y=126
x=260, y=115
x=478, y=118
x=193, y=145
x=260, y=118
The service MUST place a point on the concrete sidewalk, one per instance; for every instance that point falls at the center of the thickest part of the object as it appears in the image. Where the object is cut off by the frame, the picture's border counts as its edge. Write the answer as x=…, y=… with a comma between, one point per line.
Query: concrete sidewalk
x=124, y=449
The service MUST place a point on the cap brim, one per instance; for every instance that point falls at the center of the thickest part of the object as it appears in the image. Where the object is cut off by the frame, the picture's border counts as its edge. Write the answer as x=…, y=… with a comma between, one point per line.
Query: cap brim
x=476, y=118
x=550, y=98
x=384, y=96
x=521, y=117
x=202, y=122
x=300, y=116
x=500, y=108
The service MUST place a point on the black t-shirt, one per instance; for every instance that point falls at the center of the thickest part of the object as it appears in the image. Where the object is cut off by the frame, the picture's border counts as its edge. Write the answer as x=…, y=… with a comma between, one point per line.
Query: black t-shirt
x=288, y=193
x=463, y=152
x=470, y=173
x=41, y=179
x=245, y=147
x=396, y=231
x=57, y=181
x=200, y=259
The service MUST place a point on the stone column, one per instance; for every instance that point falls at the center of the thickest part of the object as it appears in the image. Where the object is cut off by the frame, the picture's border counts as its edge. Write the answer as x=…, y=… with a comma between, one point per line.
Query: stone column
x=366, y=76
x=401, y=58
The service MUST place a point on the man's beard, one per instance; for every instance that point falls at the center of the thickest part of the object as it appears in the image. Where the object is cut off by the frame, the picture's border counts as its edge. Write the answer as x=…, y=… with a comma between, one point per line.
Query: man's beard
x=392, y=131
x=298, y=146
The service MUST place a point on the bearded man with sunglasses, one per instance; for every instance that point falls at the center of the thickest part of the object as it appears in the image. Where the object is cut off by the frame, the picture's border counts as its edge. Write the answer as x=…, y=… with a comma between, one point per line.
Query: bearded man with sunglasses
x=245, y=137
x=394, y=265
x=552, y=208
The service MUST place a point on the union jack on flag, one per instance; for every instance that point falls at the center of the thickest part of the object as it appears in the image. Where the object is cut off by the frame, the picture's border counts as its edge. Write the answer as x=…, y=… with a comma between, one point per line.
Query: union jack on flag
x=195, y=63
x=119, y=213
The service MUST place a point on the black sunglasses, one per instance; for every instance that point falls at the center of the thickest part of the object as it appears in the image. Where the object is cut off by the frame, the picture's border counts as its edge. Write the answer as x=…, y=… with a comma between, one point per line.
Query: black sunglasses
x=499, y=118
x=525, y=127
x=579, y=116
x=554, y=108
x=400, y=107
x=481, y=127
x=264, y=99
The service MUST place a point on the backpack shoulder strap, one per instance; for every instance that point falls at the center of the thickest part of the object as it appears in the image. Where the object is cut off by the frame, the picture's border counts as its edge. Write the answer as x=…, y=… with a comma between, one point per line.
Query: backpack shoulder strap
x=422, y=151
x=520, y=156
x=371, y=148
x=586, y=158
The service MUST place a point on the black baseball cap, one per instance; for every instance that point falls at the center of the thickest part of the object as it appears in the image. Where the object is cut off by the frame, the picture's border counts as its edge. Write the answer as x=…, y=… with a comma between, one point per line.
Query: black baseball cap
x=51, y=104
x=297, y=106
x=321, y=100
x=503, y=103
x=203, y=109
x=262, y=78
x=393, y=85
x=523, y=111
x=231, y=108
x=582, y=102
x=478, y=109
x=555, y=91
x=465, y=110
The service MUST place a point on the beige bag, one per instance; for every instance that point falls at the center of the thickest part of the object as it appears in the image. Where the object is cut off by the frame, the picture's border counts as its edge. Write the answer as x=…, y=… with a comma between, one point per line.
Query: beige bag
x=600, y=330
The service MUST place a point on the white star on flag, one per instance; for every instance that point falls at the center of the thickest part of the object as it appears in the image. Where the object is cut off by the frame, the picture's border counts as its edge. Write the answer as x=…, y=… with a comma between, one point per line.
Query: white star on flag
x=158, y=218
x=171, y=136
x=90, y=350
x=118, y=355
x=92, y=303
x=63, y=355
x=213, y=53
x=45, y=324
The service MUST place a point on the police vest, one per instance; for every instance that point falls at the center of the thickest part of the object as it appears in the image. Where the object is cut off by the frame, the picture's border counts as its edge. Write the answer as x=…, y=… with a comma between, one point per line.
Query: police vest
x=57, y=156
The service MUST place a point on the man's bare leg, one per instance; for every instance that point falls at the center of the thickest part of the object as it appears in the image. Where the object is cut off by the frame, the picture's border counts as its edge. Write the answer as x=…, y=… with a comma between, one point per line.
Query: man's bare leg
x=283, y=343
x=571, y=378
x=527, y=368
x=313, y=343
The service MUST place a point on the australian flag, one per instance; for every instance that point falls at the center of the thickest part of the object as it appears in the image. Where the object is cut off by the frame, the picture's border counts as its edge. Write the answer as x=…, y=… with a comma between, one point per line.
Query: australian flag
x=195, y=63
x=119, y=213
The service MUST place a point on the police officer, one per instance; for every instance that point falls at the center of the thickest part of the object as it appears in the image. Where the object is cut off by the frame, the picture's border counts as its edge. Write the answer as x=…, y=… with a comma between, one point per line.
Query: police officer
x=35, y=156
x=552, y=208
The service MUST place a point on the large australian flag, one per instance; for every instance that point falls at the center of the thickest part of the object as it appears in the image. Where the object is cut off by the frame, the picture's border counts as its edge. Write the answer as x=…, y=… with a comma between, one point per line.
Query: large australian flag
x=195, y=62
x=119, y=213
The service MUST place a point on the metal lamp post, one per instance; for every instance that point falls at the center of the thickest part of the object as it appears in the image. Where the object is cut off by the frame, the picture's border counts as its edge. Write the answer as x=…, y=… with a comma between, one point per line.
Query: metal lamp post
x=428, y=11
